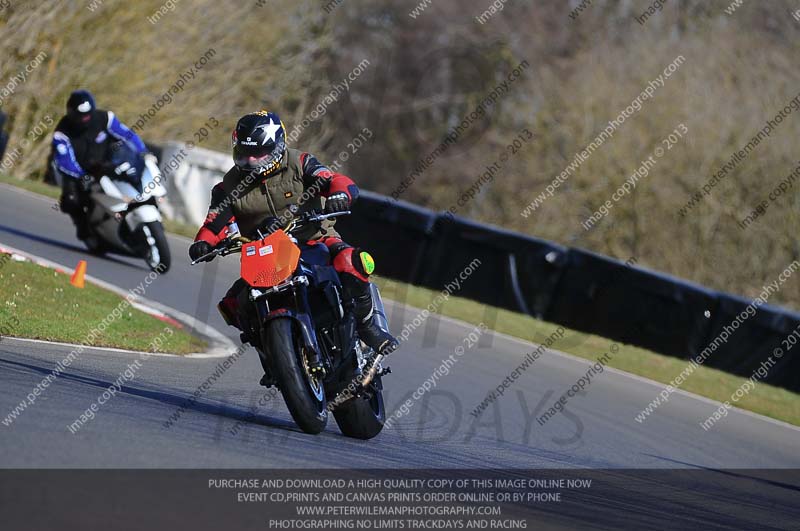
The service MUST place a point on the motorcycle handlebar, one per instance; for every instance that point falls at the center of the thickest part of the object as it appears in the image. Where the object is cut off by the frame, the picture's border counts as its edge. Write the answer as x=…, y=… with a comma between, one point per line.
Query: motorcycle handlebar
x=314, y=216
x=206, y=257
x=228, y=245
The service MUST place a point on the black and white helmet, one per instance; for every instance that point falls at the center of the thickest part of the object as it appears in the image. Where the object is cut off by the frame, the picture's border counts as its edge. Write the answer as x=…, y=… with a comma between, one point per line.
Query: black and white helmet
x=259, y=142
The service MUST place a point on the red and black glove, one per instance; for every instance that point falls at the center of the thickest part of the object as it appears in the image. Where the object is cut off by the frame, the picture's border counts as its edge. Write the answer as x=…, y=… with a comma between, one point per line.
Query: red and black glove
x=199, y=249
x=338, y=202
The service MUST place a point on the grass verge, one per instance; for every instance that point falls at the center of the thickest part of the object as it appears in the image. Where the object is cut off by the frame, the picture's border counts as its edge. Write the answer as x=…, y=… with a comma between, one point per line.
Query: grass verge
x=30, y=185
x=40, y=303
x=718, y=385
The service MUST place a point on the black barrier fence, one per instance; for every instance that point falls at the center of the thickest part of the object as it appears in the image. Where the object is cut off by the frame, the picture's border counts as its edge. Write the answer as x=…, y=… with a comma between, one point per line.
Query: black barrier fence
x=761, y=340
x=603, y=296
x=517, y=273
x=3, y=136
x=572, y=287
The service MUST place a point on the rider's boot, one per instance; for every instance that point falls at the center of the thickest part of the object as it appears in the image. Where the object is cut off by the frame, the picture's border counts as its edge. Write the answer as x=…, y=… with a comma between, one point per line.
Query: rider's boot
x=82, y=228
x=228, y=307
x=81, y=222
x=369, y=330
x=73, y=201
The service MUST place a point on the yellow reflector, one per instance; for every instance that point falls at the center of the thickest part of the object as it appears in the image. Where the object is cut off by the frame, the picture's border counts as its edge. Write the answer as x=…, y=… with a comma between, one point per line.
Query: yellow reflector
x=367, y=262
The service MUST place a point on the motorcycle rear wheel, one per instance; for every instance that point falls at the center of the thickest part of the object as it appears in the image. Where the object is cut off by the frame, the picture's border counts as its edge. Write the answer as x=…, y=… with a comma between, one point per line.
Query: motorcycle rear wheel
x=362, y=418
x=304, y=395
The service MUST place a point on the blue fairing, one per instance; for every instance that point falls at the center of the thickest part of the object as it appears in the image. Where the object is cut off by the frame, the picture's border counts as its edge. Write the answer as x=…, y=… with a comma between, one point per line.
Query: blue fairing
x=315, y=261
x=123, y=153
x=316, y=254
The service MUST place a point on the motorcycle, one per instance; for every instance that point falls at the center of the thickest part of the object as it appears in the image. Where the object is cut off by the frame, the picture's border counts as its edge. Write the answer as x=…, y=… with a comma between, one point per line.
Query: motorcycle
x=304, y=330
x=124, y=216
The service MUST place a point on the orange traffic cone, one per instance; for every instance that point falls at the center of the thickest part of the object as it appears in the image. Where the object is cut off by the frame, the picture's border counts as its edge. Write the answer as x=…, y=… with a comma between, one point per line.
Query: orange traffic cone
x=77, y=276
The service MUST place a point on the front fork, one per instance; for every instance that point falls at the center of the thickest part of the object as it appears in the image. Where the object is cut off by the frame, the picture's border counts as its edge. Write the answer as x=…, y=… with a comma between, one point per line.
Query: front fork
x=303, y=324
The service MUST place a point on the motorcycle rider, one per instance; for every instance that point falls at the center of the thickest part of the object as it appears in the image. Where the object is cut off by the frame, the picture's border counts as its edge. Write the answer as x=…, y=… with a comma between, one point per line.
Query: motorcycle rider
x=271, y=180
x=84, y=145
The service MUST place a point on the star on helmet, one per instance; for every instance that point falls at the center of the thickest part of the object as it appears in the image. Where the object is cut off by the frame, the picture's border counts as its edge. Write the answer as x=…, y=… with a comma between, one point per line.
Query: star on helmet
x=269, y=130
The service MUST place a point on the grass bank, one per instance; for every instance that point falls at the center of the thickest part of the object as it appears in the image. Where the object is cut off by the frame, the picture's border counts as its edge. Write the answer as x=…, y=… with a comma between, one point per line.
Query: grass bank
x=40, y=303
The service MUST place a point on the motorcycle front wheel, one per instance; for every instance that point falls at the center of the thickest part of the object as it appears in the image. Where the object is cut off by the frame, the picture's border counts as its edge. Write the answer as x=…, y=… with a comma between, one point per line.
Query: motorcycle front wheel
x=157, y=254
x=304, y=395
